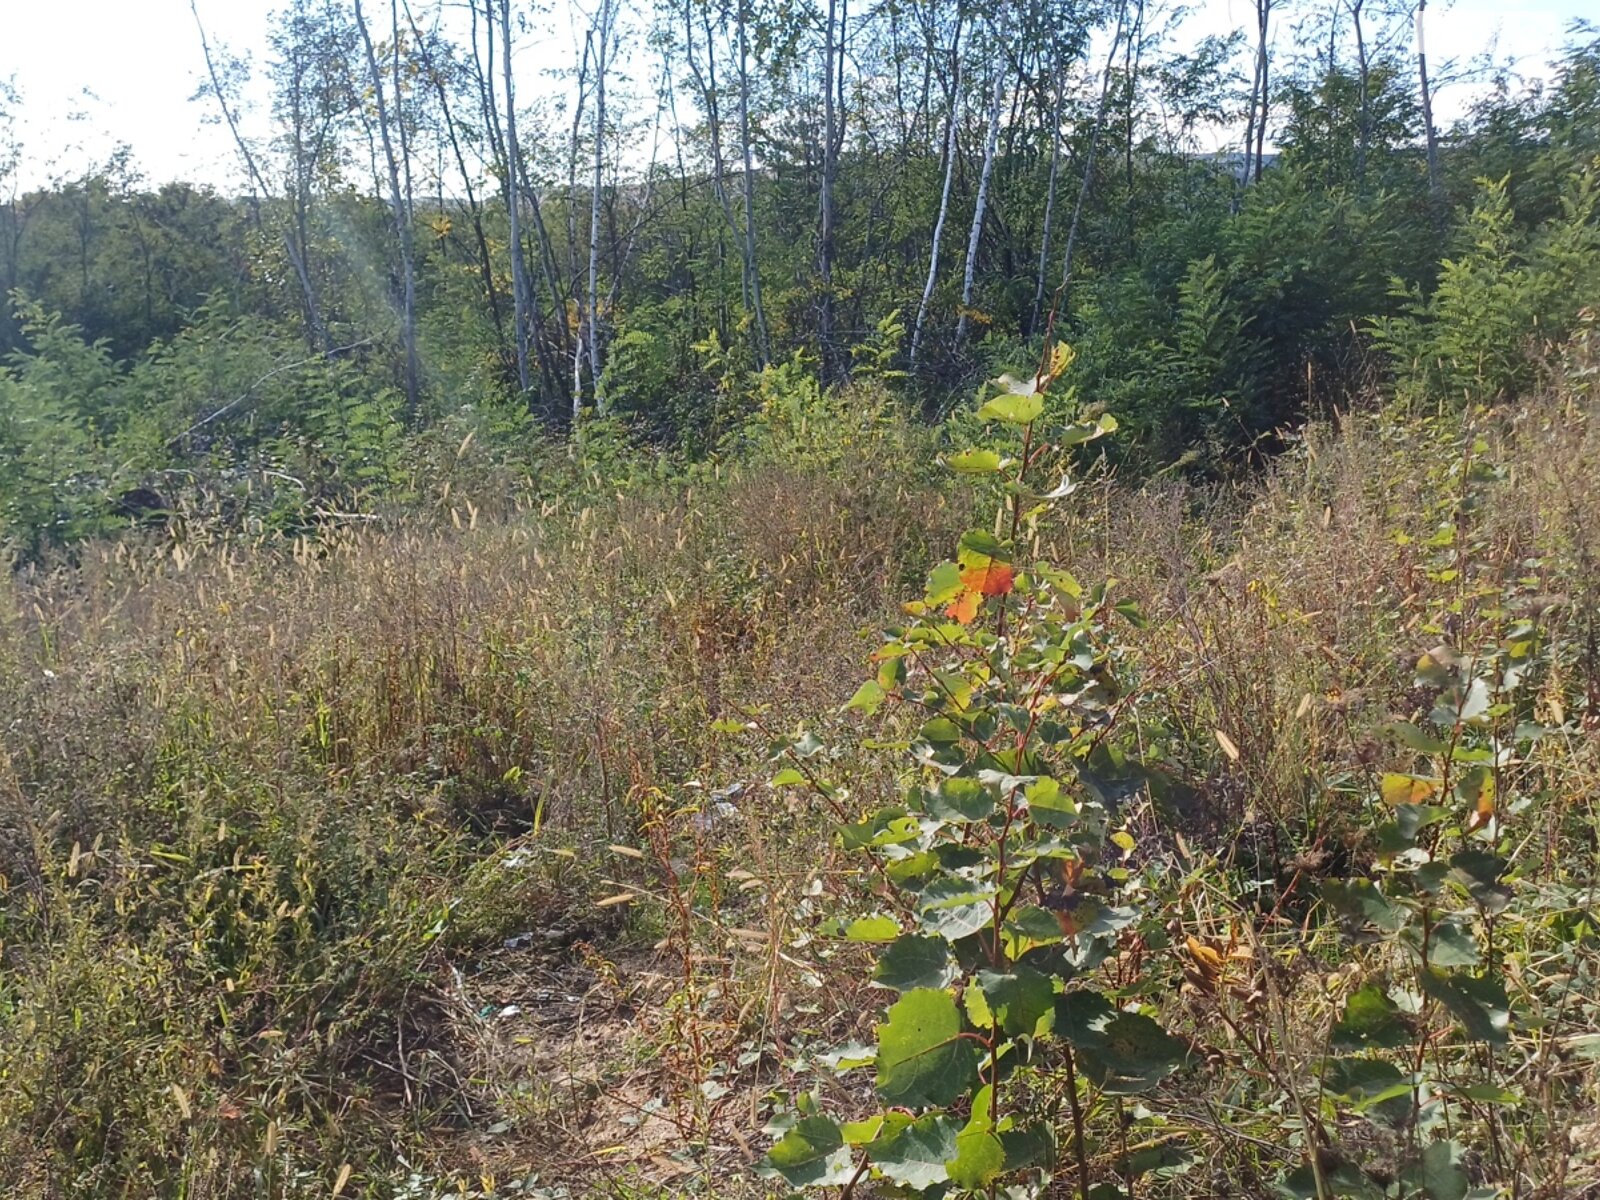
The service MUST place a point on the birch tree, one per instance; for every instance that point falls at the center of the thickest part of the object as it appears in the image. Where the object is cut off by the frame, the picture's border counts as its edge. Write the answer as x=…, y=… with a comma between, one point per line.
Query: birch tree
x=1430, y=131
x=603, y=47
x=224, y=80
x=951, y=118
x=513, y=167
x=975, y=235
x=763, y=339
x=399, y=204
x=832, y=143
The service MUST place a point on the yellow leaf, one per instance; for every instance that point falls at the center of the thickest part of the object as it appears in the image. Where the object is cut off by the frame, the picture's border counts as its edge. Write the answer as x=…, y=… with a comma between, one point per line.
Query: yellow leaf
x=1482, y=807
x=1407, y=789
x=1208, y=963
x=344, y=1178
x=1061, y=356
x=1207, y=958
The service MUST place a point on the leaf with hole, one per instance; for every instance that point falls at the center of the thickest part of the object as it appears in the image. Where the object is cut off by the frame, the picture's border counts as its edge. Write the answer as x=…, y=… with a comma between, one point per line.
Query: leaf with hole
x=923, y=1057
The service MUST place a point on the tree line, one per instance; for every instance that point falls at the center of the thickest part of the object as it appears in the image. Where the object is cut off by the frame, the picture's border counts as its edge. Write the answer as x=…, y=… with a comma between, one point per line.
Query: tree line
x=1232, y=230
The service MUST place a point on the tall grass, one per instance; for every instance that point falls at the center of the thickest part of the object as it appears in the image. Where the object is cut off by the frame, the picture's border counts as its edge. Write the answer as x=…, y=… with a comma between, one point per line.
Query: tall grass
x=258, y=804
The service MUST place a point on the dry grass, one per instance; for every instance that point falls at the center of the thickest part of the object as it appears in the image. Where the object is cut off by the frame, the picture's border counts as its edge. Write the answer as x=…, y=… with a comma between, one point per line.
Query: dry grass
x=256, y=803
x=301, y=850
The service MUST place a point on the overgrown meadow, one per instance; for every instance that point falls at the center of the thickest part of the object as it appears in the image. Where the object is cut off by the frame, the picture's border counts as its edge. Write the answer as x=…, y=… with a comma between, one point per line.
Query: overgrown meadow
x=884, y=809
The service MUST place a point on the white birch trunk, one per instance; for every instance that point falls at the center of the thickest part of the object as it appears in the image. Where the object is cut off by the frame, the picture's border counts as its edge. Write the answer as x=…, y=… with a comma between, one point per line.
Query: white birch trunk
x=975, y=237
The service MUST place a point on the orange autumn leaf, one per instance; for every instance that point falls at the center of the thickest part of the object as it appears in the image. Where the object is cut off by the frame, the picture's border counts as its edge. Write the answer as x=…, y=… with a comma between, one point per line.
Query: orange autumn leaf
x=965, y=607
x=995, y=579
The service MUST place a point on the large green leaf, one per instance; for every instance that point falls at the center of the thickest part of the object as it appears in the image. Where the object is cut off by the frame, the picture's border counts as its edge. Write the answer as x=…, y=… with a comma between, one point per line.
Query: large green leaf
x=1399, y=835
x=1165, y=1160
x=979, y=545
x=1372, y=1086
x=1410, y=736
x=1343, y=1179
x=1030, y=1146
x=1021, y=1001
x=877, y=928
x=886, y=827
x=1030, y=927
x=1050, y=805
x=1013, y=408
x=922, y=1057
x=869, y=697
x=959, y=798
x=1371, y=1019
x=1449, y=944
x=1479, y=872
x=1087, y=431
x=847, y=1057
x=913, y=1154
x=1361, y=899
x=1439, y=1171
x=1480, y=1004
x=915, y=961
x=955, y=908
x=1466, y=706
x=811, y=1154
x=1122, y=1053
x=974, y=462
x=944, y=583
x=980, y=1157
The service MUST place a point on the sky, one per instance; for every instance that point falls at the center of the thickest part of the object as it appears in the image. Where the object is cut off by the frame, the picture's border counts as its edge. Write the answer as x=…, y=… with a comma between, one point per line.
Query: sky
x=96, y=74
